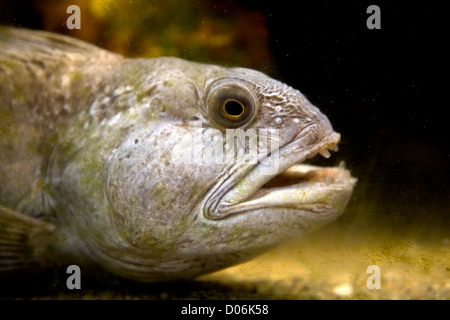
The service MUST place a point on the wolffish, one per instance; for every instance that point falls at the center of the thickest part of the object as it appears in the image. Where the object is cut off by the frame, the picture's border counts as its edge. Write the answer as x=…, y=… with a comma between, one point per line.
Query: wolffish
x=89, y=177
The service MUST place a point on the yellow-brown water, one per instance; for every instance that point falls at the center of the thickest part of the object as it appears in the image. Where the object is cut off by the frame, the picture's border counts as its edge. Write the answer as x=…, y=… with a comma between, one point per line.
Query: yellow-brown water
x=327, y=264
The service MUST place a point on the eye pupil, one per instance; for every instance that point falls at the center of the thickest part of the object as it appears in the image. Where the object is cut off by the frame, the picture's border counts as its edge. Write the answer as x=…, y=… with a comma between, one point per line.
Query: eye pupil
x=233, y=108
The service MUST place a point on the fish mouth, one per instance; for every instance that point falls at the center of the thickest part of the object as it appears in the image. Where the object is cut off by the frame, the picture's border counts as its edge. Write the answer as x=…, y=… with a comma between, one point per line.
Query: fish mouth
x=295, y=185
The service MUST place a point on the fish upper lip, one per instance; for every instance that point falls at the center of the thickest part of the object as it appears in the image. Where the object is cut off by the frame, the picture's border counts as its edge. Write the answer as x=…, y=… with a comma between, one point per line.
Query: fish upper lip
x=233, y=200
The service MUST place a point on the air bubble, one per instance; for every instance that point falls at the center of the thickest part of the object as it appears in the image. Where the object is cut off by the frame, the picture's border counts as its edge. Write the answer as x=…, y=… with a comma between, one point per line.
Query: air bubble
x=278, y=120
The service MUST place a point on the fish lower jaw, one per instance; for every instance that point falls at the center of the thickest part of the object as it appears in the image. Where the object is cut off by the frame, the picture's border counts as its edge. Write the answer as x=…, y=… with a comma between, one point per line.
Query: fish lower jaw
x=294, y=186
x=319, y=190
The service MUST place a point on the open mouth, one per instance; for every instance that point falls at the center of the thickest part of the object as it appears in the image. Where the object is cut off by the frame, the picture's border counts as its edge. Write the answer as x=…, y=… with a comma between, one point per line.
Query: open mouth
x=295, y=186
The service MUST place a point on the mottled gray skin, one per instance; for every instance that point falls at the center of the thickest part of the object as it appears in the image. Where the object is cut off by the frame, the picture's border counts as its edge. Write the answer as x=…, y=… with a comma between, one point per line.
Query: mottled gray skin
x=86, y=139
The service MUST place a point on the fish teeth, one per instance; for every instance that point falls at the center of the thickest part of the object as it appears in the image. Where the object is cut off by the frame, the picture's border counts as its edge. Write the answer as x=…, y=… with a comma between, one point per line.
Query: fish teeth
x=325, y=153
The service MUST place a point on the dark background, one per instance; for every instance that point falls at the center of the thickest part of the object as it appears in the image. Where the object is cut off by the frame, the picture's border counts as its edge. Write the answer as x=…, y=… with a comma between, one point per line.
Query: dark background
x=380, y=89
x=383, y=90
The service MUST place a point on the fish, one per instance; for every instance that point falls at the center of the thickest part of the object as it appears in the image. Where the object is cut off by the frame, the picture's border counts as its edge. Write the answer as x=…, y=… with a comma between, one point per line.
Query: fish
x=106, y=162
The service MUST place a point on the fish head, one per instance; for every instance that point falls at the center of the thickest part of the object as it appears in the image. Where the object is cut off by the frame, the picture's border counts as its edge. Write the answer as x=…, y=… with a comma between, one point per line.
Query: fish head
x=215, y=175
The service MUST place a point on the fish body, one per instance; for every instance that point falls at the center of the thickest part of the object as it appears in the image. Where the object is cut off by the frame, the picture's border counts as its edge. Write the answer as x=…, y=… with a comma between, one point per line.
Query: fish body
x=106, y=161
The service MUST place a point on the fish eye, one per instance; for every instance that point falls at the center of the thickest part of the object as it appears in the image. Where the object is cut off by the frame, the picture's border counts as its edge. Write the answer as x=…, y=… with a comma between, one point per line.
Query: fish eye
x=231, y=104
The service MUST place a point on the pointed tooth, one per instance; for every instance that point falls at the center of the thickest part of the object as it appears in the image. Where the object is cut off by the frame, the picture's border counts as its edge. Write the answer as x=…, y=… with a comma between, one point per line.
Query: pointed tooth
x=325, y=153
